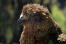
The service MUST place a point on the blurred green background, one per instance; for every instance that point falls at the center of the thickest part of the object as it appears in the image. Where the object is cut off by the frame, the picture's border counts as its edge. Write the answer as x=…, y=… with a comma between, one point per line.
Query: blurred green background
x=10, y=11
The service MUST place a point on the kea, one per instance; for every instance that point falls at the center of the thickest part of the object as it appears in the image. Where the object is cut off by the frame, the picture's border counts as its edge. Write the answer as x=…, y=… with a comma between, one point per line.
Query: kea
x=39, y=26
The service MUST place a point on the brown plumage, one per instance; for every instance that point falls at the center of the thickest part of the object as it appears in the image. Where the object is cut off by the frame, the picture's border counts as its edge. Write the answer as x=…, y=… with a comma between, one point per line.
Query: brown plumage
x=39, y=27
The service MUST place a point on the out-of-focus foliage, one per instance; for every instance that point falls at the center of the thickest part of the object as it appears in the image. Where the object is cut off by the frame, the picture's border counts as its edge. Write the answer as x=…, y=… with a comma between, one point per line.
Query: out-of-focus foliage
x=58, y=15
x=9, y=35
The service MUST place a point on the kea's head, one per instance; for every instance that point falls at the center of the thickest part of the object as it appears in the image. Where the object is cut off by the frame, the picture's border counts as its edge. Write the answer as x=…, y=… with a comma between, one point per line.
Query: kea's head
x=34, y=13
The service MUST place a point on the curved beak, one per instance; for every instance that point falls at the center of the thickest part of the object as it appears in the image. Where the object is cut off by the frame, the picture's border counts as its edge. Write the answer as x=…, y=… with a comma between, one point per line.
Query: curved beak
x=20, y=20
